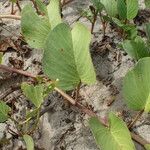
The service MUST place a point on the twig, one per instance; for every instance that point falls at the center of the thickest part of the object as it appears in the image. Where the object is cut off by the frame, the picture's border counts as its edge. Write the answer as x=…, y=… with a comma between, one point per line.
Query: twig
x=104, y=24
x=66, y=3
x=139, y=114
x=77, y=91
x=135, y=137
x=94, y=21
x=36, y=7
x=45, y=110
x=18, y=5
x=10, y=17
x=139, y=139
x=12, y=8
x=9, y=91
x=66, y=96
x=3, y=67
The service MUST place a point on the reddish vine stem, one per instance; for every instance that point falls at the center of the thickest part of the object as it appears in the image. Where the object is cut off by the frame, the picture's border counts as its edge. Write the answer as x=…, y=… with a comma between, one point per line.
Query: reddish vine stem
x=36, y=7
x=65, y=3
x=12, y=8
x=135, y=119
x=93, y=22
x=138, y=139
x=77, y=92
x=18, y=5
x=135, y=137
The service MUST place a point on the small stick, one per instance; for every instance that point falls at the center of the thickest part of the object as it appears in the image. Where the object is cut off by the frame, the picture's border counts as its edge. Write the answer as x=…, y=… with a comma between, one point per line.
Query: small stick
x=93, y=22
x=9, y=91
x=134, y=136
x=36, y=7
x=10, y=17
x=3, y=67
x=77, y=91
x=63, y=2
x=18, y=5
x=136, y=118
x=12, y=8
x=66, y=96
x=66, y=3
x=139, y=139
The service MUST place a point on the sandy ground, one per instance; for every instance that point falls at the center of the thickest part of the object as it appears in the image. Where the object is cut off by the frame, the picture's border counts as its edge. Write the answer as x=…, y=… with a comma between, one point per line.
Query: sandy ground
x=63, y=127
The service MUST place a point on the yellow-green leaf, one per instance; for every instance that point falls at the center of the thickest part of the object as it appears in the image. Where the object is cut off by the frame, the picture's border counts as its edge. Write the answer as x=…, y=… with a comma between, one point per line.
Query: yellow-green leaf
x=29, y=142
x=136, y=48
x=136, y=87
x=34, y=28
x=132, y=8
x=54, y=13
x=111, y=7
x=122, y=9
x=98, y=5
x=67, y=58
x=33, y=93
x=41, y=6
x=4, y=110
x=114, y=137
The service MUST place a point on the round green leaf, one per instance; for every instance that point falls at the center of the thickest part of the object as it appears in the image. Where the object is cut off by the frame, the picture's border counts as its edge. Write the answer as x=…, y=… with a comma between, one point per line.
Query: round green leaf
x=33, y=93
x=98, y=5
x=34, y=28
x=67, y=58
x=29, y=142
x=111, y=7
x=41, y=6
x=132, y=8
x=136, y=87
x=122, y=9
x=114, y=137
x=54, y=13
x=4, y=110
x=136, y=48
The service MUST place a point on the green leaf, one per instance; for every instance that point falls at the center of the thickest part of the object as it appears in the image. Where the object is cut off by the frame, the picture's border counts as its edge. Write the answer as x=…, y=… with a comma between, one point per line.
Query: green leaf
x=147, y=3
x=54, y=13
x=41, y=6
x=29, y=142
x=33, y=93
x=98, y=5
x=148, y=31
x=132, y=8
x=136, y=87
x=111, y=7
x=81, y=38
x=147, y=146
x=87, y=14
x=132, y=33
x=114, y=137
x=34, y=28
x=130, y=29
x=4, y=110
x=122, y=9
x=136, y=48
x=67, y=58
x=33, y=113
